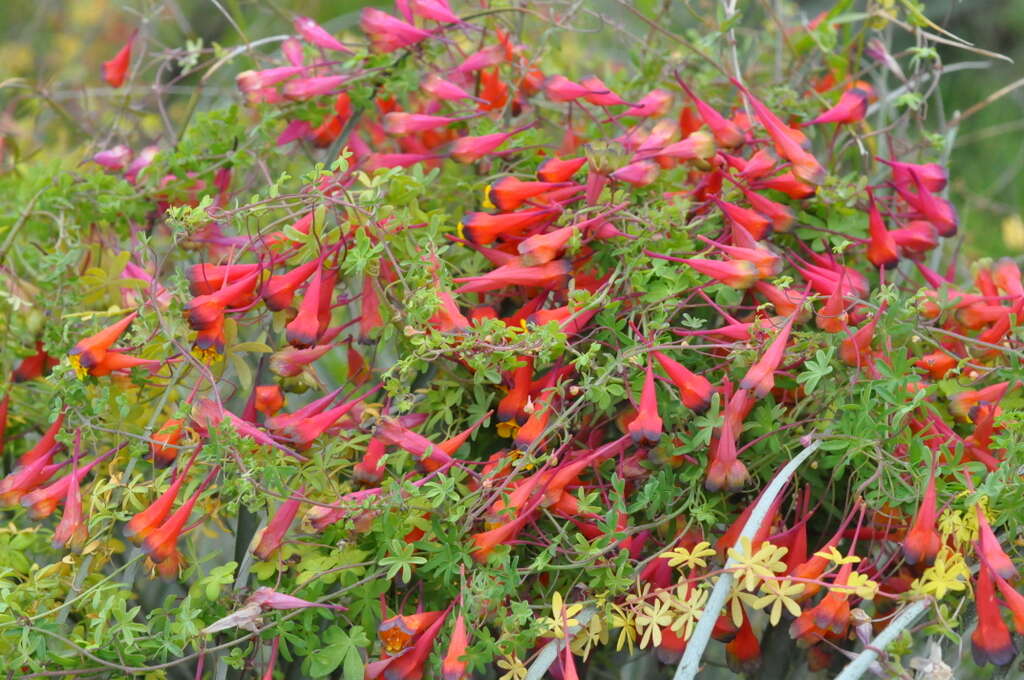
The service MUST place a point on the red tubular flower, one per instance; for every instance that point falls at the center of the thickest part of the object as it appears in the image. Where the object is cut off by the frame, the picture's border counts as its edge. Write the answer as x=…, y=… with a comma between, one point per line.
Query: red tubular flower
x=26, y=478
x=558, y=170
x=115, y=70
x=1006, y=275
x=399, y=123
x=304, y=432
x=269, y=399
x=43, y=501
x=36, y=366
x=789, y=143
x=851, y=107
x=409, y=666
x=789, y=184
x=205, y=278
x=254, y=81
x=303, y=331
x=727, y=133
x=370, y=470
x=832, y=317
x=483, y=228
x=645, y=429
x=936, y=210
x=205, y=310
x=755, y=223
x=855, y=350
x=932, y=175
x=549, y=275
x=768, y=264
x=694, y=389
x=882, y=250
x=370, y=317
x=315, y=34
x=781, y=216
x=739, y=274
x=743, y=652
x=1014, y=602
x=301, y=89
x=146, y=522
x=448, y=317
x=963, y=404
x=494, y=90
x=436, y=86
x=471, y=149
x=535, y=423
x=45, y=444
x=990, y=642
x=508, y=193
x=511, y=405
x=116, y=361
x=786, y=302
x=652, y=105
x=638, y=173
x=290, y=362
x=558, y=88
x=435, y=10
x=89, y=352
x=279, y=291
x=72, y=532
x=429, y=454
x=725, y=470
x=397, y=633
x=761, y=376
x=453, y=667
x=937, y=363
x=164, y=442
x=268, y=539
x=162, y=543
x=544, y=248
x=600, y=94
x=916, y=237
x=922, y=542
x=990, y=550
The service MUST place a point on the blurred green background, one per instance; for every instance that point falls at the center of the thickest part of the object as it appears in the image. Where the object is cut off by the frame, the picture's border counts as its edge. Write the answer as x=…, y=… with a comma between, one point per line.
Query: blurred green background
x=56, y=46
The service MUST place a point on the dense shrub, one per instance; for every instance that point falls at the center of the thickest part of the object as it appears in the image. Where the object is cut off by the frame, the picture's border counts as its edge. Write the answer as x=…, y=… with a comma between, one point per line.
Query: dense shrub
x=432, y=353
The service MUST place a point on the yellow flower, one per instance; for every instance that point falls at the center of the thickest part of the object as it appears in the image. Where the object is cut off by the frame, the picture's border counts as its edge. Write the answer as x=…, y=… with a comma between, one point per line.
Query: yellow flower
x=689, y=559
x=860, y=585
x=652, y=618
x=508, y=429
x=688, y=605
x=626, y=624
x=836, y=556
x=76, y=365
x=512, y=664
x=208, y=356
x=753, y=568
x=737, y=598
x=949, y=574
x=561, y=616
x=779, y=594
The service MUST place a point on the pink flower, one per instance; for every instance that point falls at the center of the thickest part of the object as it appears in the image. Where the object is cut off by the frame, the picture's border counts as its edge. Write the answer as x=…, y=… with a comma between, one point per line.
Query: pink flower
x=316, y=34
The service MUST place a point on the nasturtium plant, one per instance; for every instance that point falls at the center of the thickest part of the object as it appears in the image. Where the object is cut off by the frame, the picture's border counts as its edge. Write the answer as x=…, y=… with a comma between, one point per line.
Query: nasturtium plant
x=503, y=340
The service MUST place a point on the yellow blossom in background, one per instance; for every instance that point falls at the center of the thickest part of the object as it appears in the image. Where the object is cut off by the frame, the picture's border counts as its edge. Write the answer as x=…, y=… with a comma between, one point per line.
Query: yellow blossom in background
x=1013, y=232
